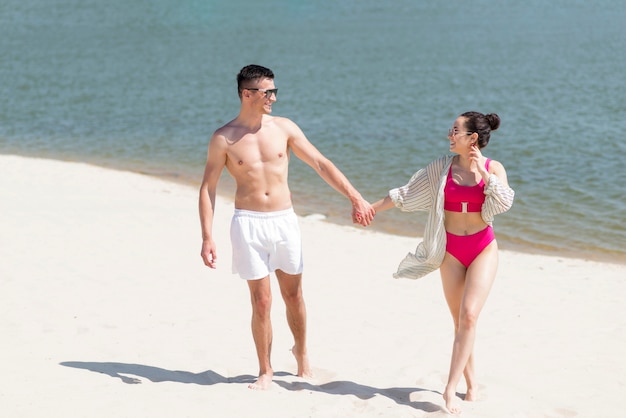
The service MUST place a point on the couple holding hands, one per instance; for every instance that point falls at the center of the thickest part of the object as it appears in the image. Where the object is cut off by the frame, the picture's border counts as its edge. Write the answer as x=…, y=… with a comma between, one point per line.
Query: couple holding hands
x=462, y=193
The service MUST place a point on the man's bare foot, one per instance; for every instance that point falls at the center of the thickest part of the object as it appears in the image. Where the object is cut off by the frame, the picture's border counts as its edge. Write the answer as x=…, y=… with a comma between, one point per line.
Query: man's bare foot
x=471, y=395
x=304, y=368
x=452, y=402
x=263, y=382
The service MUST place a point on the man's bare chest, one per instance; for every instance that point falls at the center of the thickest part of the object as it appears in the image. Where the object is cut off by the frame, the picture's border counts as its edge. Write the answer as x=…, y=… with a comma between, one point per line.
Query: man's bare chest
x=258, y=149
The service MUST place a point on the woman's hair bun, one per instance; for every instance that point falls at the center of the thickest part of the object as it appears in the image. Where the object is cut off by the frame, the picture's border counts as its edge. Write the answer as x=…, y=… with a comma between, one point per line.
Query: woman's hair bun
x=494, y=121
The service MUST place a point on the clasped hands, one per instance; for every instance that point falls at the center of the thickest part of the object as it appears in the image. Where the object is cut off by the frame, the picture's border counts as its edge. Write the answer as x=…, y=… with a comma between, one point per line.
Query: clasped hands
x=363, y=213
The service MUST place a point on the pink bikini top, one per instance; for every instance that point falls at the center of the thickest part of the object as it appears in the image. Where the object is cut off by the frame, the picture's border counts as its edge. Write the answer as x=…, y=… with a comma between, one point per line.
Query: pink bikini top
x=464, y=198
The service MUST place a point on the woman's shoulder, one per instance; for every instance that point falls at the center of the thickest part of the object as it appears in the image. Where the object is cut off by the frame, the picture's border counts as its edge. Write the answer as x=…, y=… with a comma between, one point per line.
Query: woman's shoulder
x=494, y=165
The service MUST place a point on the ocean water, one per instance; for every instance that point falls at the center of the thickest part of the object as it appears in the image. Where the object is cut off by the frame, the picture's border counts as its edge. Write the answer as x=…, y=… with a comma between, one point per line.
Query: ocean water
x=142, y=84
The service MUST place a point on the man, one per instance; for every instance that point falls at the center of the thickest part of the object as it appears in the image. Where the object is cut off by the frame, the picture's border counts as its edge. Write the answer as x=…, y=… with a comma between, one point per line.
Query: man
x=255, y=148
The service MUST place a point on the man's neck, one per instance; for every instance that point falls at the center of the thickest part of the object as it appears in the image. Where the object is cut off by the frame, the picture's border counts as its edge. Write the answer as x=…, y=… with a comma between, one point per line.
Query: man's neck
x=249, y=119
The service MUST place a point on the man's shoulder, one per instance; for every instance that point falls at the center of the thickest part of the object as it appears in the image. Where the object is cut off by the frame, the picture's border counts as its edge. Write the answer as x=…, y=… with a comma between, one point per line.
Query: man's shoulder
x=226, y=131
x=287, y=126
x=227, y=127
x=281, y=121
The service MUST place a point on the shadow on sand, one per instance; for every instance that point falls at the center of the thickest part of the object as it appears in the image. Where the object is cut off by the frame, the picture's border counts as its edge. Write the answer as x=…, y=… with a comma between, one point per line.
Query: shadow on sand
x=126, y=371
x=401, y=396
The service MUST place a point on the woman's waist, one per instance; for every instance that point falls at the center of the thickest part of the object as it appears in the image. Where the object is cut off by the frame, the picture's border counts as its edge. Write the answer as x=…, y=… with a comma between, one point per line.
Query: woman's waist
x=458, y=223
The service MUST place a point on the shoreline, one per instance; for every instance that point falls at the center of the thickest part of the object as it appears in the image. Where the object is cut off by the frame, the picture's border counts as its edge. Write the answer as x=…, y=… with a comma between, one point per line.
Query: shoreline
x=304, y=208
x=386, y=226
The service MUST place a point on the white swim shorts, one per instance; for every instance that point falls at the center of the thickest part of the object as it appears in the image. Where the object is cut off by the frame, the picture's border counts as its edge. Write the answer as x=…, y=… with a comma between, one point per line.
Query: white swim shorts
x=264, y=242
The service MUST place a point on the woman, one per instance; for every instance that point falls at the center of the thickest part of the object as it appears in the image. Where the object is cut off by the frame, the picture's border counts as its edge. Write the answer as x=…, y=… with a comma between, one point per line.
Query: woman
x=462, y=193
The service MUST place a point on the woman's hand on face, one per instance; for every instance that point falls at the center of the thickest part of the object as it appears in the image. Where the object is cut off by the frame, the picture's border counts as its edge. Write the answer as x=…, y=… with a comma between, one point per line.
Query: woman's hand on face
x=476, y=157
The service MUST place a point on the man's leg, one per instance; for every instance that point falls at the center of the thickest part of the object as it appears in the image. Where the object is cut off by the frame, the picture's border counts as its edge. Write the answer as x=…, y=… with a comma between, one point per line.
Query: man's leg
x=261, y=298
x=291, y=290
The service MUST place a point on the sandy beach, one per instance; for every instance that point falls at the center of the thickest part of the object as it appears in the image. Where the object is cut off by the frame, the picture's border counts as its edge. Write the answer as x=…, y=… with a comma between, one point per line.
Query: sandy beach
x=108, y=311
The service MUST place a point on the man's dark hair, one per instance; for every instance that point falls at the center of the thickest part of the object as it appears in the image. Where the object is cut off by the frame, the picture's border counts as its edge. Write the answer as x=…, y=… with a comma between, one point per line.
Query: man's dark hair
x=252, y=73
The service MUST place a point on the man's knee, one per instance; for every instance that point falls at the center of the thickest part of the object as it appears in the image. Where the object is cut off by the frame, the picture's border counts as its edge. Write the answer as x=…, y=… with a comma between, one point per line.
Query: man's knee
x=262, y=305
x=260, y=295
x=290, y=287
x=293, y=298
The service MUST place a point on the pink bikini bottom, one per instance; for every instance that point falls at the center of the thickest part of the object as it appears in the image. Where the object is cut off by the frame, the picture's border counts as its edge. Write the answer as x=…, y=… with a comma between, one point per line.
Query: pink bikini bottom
x=466, y=248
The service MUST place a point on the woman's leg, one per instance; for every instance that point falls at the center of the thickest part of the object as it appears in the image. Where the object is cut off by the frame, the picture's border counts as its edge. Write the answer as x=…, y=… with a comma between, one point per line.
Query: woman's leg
x=453, y=281
x=466, y=292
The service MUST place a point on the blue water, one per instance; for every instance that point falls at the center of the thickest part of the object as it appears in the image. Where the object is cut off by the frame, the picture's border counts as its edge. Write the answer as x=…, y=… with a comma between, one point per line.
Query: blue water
x=141, y=85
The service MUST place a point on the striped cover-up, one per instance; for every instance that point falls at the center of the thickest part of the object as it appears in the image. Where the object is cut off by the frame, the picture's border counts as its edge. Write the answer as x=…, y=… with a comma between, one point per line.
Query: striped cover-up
x=424, y=191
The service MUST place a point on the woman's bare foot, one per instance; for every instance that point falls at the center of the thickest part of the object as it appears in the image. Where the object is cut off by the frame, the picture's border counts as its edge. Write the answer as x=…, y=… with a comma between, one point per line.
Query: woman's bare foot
x=471, y=395
x=304, y=368
x=453, y=403
x=263, y=382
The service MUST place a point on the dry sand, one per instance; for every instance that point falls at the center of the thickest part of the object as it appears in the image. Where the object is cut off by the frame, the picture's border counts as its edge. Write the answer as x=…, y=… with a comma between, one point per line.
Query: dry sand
x=108, y=311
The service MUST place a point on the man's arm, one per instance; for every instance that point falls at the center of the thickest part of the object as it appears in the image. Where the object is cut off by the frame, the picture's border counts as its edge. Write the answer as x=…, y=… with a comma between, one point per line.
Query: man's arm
x=362, y=211
x=216, y=160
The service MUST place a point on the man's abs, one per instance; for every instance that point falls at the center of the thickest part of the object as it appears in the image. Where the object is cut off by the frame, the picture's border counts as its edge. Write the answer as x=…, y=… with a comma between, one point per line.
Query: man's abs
x=267, y=199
